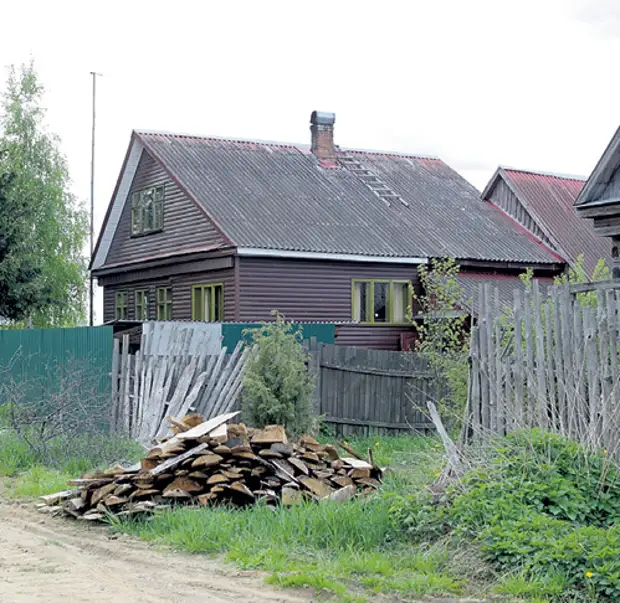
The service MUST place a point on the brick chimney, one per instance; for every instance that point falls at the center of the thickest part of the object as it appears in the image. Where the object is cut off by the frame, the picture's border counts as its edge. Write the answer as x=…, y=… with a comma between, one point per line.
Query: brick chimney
x=322, y=129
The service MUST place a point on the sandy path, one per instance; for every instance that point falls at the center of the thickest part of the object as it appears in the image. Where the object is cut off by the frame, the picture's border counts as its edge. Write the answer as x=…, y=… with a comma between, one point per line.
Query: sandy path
x=52, y=560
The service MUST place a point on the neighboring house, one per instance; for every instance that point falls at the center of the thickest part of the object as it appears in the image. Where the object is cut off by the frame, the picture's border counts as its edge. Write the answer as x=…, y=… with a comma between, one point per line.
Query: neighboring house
x=599, y=199
x=543, y=204
x=217, y=229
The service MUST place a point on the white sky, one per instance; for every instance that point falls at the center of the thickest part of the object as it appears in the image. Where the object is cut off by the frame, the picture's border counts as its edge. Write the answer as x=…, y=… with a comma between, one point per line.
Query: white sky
x=526, y=83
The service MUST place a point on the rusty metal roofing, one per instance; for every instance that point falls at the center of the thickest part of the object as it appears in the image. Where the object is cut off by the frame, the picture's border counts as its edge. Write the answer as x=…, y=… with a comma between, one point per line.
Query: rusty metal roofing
x=549, y=198
x=279, y=197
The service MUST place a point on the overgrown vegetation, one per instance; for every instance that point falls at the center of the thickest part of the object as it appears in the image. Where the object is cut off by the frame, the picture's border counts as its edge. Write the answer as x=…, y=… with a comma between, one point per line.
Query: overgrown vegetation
x=278, y=388
x=538, y=507
x=442, y=333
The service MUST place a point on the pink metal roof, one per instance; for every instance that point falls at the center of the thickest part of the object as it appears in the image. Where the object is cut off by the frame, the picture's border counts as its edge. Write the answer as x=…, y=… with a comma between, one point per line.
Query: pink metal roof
x=549, y=198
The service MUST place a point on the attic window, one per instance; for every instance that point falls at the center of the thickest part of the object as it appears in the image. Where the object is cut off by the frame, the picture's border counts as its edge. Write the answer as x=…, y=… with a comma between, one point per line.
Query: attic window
x=147, y=210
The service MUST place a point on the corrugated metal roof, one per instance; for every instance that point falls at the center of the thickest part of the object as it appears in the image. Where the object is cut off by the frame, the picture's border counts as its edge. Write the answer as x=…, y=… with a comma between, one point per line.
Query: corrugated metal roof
x=550, y=198
x=278, y=196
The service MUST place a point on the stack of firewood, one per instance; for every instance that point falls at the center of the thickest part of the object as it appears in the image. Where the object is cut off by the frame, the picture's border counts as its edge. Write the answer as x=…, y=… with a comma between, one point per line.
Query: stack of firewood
x=211, y=462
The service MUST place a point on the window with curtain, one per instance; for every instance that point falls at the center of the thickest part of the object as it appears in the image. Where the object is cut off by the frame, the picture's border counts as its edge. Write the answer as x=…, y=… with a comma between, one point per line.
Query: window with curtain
x=208, y=302
x=147, y=210
x=381, y=301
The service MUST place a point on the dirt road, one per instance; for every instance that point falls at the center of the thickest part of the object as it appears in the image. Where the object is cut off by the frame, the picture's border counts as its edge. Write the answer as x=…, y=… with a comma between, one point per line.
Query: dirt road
x=53, y=561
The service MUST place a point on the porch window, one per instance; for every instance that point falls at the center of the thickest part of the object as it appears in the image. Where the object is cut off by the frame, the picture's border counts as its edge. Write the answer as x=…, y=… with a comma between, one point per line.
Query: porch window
x=208, y=302
x=142, y=304
x=381, y=301
x=164, y=303
x=120, y=307
x=147, y=210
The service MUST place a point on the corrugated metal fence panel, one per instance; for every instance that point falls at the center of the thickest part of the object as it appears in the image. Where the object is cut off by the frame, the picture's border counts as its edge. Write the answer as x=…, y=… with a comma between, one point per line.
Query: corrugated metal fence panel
x=323, y=332
x=38, y=361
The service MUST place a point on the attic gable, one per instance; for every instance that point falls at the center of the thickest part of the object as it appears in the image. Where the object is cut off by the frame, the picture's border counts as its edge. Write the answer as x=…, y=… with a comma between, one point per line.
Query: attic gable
x=186, y=228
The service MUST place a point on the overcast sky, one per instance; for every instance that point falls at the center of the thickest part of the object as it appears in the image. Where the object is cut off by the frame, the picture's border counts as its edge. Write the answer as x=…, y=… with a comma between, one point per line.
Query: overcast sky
x=525, y=83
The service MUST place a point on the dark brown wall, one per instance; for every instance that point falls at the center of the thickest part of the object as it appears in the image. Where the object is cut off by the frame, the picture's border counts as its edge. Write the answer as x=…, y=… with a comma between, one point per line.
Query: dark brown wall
x=181, y=294
x=306, y=290
x=376, y=337
x=185, y=225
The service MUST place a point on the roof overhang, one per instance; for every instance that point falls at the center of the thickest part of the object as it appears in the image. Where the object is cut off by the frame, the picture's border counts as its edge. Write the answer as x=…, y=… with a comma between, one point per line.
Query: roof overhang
x=604, y=169
x=336, y=257
x=115, y=209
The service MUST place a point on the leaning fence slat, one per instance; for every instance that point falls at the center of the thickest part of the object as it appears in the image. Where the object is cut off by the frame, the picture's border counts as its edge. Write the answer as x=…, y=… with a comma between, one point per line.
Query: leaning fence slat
x=604, y=371
x=550, y=369
x=541, y=386
x=517, y=414
x=498, y=420
x=115, y=379
x=474, y=390
x=484, y=359
x=529, y=358
x=578, y=404
x=559, y=362
x=589, y=321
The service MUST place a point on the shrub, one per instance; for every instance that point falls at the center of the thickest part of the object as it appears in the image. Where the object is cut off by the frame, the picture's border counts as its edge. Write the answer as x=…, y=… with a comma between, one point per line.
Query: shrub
x=539, y=502
x=277, y=386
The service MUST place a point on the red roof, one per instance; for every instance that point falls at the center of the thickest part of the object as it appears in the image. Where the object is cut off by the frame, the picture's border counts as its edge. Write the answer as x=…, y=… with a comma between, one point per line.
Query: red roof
x=549, y=199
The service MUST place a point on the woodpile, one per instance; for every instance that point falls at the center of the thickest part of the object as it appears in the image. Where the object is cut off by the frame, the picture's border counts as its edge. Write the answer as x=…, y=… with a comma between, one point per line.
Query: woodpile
x=213, y=462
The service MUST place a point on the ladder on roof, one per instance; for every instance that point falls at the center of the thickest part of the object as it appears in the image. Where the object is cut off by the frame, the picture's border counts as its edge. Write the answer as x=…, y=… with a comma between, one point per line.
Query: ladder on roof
x=371, y=180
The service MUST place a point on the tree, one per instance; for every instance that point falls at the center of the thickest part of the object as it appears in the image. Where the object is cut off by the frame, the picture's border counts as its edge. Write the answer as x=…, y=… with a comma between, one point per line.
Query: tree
x=42, y=226
x=277, y=386
x=442, y=333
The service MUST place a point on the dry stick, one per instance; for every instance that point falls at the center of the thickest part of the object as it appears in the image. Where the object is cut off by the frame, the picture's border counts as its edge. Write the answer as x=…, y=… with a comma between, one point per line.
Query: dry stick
x=350, y=450
x=454, y=456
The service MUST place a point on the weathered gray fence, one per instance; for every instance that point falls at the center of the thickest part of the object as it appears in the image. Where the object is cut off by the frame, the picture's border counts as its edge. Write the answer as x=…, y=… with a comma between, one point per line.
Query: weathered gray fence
x=549, y=362
x=372, y=391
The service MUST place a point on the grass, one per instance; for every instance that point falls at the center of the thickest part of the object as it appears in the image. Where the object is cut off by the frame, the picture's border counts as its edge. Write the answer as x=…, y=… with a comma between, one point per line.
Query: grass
x=30, y=475
x=350, y=550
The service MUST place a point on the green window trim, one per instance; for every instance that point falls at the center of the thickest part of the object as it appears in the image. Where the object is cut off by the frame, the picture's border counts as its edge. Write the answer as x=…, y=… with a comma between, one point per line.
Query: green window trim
x=120, y=305
x=393, y=285
x=164, y=303
x=142, y=304
x=211, y=295
x=147, y=210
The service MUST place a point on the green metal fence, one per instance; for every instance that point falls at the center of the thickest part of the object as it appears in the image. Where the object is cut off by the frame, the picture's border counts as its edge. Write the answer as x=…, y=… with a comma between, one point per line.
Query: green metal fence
x=232, y=332
x=36, y=364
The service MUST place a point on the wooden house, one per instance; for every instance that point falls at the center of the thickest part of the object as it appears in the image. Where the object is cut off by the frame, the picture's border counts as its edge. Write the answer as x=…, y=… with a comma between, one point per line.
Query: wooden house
x=599, y=199
x=215, y=229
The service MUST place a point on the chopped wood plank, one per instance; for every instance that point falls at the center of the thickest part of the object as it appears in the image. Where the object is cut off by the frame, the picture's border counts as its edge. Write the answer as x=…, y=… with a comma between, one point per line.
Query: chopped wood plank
x=232, y=475
x=100, y=493
x=90, y=483
x=179, y=459
x=343, y=494
x=242, y=489
x=185, y=484
x=177, y=493
x=221, y=449
x=143, y=493
x=310, y=456
x=207, y=427
x=111, y=501
x=267, y=453
x=284, y=449
x=359, y=473
x=244, y=455
x=217, y=478
x=369, y=481
x=316, y=486
x=207, y=460
x=272, y=434
x=207, y=499
x=198, y=475
x=299, y=465
x=342, y=481
x=149, y=463
x=122, y=489
x=290, y=497
x=284, y=469
x=356, y=463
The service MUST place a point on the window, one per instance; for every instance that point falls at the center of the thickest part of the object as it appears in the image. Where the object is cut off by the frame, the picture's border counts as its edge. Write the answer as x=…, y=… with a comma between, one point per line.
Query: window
x=120, y=309
x=142, y=304
x=208, y=302
x=381, y=302
x=147, y=210
x=164, y=303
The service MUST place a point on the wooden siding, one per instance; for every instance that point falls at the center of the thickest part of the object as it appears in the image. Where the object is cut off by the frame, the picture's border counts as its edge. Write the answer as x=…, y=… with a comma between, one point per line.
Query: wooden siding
x=504, y=198
x=611, y=189
x=185, y=225
x=376, y=337
x=307, y=290
x=181, y=294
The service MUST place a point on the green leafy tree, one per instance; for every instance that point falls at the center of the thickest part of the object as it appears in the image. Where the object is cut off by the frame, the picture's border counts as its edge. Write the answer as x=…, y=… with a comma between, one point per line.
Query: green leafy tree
x=442, y=333
x=42, y=226
x=277, y=386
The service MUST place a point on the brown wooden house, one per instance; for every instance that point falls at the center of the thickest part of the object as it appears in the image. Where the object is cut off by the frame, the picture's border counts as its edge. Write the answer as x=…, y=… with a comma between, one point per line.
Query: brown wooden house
x=599, y=199
x=217, y=229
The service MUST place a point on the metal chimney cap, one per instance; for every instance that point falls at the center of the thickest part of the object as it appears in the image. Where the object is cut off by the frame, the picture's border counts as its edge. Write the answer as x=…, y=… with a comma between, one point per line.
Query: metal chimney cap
x=322, y=118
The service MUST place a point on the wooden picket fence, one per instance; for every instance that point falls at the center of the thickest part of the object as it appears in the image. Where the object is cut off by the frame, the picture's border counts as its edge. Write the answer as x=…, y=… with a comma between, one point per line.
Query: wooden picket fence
x=551, y=361
x=364, y=391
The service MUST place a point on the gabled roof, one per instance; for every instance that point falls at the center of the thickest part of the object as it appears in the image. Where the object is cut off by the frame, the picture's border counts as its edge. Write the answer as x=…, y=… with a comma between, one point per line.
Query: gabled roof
x=549, y=200
x=606, y=167
x=277, y=196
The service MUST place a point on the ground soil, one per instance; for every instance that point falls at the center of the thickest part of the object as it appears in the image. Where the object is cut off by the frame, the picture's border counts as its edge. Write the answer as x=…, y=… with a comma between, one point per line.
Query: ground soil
x=52, y=560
